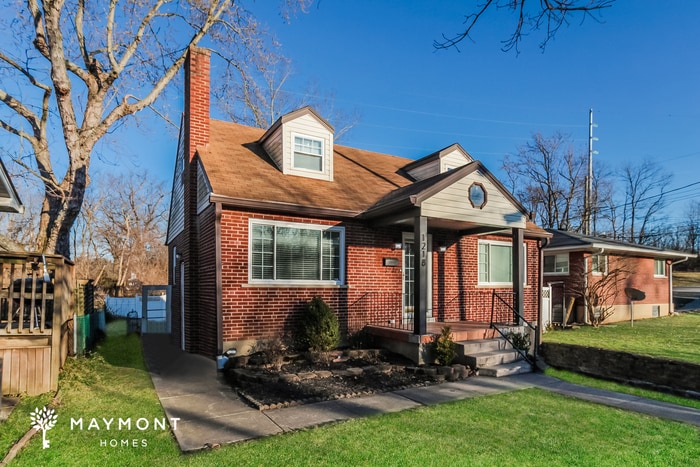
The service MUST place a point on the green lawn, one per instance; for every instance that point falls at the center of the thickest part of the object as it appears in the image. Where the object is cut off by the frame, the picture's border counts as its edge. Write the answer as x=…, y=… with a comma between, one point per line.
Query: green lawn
x=530, y=427
x=578, y=378
x=676, y=337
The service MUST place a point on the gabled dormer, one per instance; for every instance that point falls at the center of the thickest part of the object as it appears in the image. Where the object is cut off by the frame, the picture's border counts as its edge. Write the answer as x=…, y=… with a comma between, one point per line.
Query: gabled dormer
x=446, y=159
x=301, y=144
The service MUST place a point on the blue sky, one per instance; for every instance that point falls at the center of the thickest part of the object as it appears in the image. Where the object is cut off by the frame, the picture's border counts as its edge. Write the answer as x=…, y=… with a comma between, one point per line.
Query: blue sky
x=638, y=69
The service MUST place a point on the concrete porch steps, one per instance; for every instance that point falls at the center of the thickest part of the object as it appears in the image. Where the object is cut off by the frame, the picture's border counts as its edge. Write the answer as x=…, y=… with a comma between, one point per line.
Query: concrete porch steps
x=492, y=357
x=506, y=369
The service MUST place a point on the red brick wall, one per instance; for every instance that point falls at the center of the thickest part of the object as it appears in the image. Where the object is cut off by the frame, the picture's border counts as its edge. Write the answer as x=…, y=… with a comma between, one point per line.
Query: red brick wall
x=197, y=97
x=254, y=311
x=641, y=276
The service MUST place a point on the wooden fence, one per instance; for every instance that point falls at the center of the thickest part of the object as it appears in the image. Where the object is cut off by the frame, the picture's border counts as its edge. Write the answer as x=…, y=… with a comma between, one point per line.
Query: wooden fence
x=35, y=320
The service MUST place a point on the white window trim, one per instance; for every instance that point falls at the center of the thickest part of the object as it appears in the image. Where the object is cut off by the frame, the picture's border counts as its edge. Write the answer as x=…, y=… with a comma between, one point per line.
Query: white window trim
x=322, y=156
x=663, y=261
x=555, y=273
x=296, y=225
x=600, y=273
x=501, y=284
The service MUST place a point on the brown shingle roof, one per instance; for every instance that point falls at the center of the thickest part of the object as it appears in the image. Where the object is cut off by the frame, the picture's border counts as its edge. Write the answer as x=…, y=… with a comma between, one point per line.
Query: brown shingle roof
x=239, y=168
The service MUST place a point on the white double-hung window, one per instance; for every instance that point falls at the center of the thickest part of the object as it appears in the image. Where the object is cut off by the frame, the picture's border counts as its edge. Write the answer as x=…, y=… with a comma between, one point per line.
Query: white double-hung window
x=659, y=267
x=282, y=252
x=308, y=153
x=496, y=263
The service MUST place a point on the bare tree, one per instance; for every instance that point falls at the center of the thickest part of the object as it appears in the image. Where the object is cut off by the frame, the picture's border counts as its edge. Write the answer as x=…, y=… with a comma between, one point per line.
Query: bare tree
x=530, y=16
x=252, y=94
x=645, y=184
x=121, y=231
x=548, y=176
x=86, y=67
x=599, y=291
x=131, y=226
x=692, y=227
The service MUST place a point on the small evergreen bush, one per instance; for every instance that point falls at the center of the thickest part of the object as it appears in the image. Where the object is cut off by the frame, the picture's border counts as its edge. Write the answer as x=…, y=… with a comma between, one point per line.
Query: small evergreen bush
x=319, y=330
x=445, y=347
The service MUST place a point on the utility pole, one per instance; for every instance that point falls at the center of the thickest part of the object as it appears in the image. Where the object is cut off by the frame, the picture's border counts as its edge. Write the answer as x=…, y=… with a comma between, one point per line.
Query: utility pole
x=588, y=195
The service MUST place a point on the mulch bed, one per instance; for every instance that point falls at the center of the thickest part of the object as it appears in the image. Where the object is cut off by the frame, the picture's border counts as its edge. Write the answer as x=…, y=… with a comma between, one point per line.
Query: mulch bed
x=354, y=373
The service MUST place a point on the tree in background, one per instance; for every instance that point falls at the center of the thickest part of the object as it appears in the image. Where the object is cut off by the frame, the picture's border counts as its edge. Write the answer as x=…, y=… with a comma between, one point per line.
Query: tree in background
x=529, y=16
x=83, y=68
x=548, y=177
x=644, y=187
x=121, y=232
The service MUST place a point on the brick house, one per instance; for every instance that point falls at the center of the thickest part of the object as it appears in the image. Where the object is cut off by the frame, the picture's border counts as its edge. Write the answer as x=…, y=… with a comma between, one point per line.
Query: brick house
x=263, y=220
x=574, y=262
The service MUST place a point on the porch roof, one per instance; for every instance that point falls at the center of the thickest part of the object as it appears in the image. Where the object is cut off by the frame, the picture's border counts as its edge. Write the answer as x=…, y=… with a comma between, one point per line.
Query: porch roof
x=445, y=200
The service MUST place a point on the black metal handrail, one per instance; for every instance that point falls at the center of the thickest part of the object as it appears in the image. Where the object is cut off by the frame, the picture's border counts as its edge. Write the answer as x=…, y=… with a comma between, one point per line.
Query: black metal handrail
x=517, y=319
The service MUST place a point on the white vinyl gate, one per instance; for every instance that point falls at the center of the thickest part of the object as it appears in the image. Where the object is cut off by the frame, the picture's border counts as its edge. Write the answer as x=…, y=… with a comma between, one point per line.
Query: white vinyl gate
x=155, y=313
x=546, y=307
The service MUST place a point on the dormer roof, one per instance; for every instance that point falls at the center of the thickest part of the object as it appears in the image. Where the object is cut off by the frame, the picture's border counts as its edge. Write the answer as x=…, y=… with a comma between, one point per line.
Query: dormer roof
x=307, y=110
x=444, y=160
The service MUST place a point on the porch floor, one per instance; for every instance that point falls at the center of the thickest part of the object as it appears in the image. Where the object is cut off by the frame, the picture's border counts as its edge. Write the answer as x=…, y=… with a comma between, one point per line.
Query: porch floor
x=461, y=331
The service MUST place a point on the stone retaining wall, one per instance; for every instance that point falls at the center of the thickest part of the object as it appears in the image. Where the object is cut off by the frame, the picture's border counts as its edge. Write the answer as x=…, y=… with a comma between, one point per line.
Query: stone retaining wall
x=639, y=370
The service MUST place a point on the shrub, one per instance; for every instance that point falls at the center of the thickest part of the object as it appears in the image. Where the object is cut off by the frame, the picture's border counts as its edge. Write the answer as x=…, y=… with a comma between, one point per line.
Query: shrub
x=520, y=340
x=445, y=347
x=273, y=350
x=319, y=330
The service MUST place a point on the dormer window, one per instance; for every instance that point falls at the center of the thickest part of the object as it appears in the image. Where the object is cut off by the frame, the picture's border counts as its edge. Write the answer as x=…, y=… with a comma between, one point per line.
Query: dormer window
x=308, y=153
x=301, y=144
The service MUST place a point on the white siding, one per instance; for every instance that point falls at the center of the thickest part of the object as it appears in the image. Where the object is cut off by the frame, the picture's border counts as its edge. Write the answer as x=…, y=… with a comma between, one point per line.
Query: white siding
x=307, y=125
x=453, y=160
x=453, y=203
x=448, y=160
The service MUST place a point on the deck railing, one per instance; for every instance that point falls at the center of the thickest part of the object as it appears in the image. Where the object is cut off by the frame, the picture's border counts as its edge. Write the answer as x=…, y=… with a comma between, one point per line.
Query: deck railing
x=26, y=295
x=394, y=310
x=35, y=319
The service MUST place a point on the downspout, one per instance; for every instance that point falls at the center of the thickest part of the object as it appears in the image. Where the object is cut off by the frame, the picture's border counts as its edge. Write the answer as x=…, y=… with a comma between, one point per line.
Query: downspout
x=670, y=283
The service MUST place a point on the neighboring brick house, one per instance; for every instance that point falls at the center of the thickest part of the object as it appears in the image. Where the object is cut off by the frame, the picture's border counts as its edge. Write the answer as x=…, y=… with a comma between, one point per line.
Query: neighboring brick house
x=263, y=220
x=574, y=262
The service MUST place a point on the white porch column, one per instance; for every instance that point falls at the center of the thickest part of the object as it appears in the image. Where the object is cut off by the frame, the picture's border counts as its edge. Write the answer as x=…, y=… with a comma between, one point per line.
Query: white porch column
x=420, y=297
x=518, y=271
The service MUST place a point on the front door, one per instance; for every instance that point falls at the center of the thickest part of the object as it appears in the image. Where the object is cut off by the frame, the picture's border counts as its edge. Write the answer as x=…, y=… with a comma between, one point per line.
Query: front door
x=409, y=277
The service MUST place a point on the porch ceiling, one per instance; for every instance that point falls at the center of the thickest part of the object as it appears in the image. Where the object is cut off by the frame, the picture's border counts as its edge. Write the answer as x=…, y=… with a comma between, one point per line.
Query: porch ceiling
x=464, y=227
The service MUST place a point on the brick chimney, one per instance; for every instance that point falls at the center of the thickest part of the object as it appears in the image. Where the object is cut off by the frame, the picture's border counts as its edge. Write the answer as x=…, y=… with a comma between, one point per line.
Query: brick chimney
x=197, y=96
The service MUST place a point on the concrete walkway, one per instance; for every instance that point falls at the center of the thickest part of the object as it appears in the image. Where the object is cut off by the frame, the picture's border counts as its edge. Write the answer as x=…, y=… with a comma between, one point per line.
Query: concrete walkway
x=210, y=413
